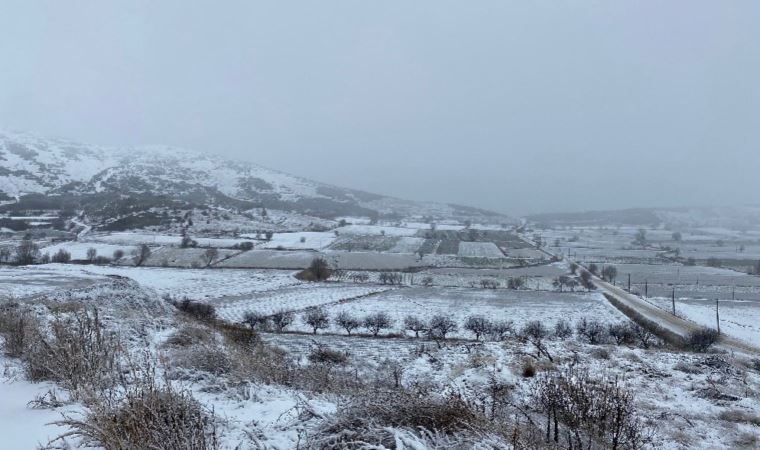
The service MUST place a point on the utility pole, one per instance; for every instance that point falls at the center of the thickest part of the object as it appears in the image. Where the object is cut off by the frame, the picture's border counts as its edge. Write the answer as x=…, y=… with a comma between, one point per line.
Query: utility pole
x=646, y=288
x=733, y=293
x=629, y=282
x=674, y=301
x=717, y=314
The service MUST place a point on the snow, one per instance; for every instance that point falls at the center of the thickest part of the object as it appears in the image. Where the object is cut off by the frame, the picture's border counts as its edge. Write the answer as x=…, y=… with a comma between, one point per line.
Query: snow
x=479, y=250
x=22, y=426
x=312, y=240
x=376, y=230
x=458, y=303
x=78, y=250
x=291, y=299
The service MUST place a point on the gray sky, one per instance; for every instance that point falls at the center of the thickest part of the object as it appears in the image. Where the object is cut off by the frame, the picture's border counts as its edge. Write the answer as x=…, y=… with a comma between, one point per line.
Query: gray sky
x=518, y=106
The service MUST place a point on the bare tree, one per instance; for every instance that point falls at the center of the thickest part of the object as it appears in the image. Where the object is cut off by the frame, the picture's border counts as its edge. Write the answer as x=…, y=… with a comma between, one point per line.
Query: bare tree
x=561, y=281
x=317, y=319
x=593, y=331
x=535, y=332
x=609, y=273
x=477, y=325
x=440, y=326
x=414, y=324
x=141, y=254
x=61, y=256
x=281, y=320
x=256, y=320
x=374, y=323
x=27, y=252
x=562, y=329
x=209, y=256
x=501, y=329
x=346, y=321
x=92, y=253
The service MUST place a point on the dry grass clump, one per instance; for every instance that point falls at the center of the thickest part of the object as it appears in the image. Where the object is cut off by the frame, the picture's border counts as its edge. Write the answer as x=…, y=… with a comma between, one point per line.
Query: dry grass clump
x=150, y=416
x=368, y=421
x=190, y=335
x=321, y=354
x=13, y=329
x=74, y=351
x=739, y=416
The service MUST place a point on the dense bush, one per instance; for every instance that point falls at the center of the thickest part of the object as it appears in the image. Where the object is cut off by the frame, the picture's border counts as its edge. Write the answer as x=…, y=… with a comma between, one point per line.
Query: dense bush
x=702, y=339
x=198, y=310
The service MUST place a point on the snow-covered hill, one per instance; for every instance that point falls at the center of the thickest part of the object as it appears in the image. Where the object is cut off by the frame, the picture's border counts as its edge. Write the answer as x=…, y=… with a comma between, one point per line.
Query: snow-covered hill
x=33, y=165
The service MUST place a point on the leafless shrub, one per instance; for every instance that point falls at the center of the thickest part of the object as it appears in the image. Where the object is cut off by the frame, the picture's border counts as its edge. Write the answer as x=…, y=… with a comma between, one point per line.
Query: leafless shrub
x=321, y=354
x=189, y=335
x=488, y=283
x=211, y=358
x=390, y=278
x=76, y=352
x=318, y=270
x=151, y=416
x=501, y=329
x=623, y=333
x=427, y=281
x=256, y=320
x=359, y=277
x=198, y=310
x=14, y=328
x=592, y=331
x=562, y=329
x=583, y=412
x=61, y=256
x=702, y=339
x=516, y=283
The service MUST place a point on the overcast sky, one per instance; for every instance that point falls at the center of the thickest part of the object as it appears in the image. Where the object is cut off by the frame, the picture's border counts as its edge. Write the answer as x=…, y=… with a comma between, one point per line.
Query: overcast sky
x=518, y=106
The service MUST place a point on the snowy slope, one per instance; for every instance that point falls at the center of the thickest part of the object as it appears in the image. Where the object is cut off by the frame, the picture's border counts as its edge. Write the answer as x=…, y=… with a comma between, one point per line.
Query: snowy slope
x=30, y=164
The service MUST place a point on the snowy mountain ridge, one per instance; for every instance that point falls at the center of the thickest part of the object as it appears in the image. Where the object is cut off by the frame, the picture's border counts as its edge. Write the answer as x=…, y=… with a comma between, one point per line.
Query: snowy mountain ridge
x=34, y=165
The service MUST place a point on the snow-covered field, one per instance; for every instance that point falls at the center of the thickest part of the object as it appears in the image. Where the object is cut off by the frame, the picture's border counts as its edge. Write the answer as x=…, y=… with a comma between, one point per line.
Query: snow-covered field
x=274, y=259
x=195, y=284
x=135, y=238
x=304, y=240
x=479, y=250
x=369, y=230
x=517, y=306
x=290, y=299
x=78, y=250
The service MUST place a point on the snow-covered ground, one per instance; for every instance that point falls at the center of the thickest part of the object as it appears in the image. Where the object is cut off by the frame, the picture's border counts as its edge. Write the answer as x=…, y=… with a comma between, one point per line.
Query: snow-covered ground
x=304, y=240
x=517, y=306
x=479, y=250
x=78, y=250
x=376, y=230
x=294, y=298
